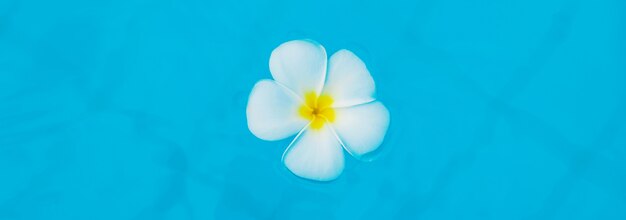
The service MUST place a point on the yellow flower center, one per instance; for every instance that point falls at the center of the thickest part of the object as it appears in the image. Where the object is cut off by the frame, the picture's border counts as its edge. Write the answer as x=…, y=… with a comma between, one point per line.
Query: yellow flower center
x=317, y=109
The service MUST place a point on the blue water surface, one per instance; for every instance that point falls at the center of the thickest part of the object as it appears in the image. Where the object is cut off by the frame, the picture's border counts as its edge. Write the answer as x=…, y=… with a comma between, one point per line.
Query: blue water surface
x=135, y=109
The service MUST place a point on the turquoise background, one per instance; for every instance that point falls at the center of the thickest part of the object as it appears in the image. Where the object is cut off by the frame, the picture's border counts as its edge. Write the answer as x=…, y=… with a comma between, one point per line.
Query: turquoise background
x=134, y=109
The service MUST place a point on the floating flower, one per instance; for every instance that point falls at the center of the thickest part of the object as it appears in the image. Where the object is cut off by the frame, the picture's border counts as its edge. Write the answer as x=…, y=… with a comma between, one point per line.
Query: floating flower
x=327, y=103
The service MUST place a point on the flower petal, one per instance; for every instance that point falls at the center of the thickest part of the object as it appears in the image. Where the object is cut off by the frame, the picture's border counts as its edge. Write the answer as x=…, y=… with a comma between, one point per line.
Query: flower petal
x=272, y=111
x=300, y=65
x=362, y=128
x=348, y=81
x=315, y=154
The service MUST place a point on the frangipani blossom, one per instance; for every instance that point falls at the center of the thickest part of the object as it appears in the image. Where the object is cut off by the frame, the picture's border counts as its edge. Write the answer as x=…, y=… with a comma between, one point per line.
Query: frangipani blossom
x=327, y=104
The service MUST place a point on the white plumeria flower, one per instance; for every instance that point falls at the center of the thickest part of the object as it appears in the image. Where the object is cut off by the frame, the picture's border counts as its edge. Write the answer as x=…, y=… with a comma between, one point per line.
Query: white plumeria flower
x=328, y=104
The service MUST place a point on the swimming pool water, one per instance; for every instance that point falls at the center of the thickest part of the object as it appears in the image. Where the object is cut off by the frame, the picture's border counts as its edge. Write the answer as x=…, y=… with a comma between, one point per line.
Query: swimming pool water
x=135, y=109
